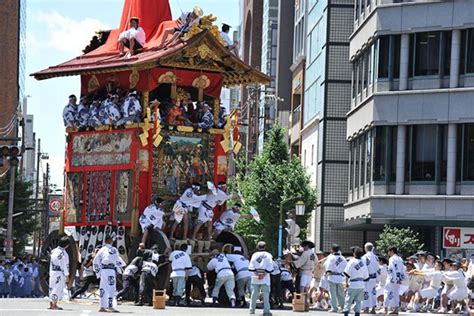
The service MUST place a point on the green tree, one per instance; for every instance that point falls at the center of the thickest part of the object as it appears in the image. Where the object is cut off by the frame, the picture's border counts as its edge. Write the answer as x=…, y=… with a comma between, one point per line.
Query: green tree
x=271, y=178
x=23, y=224
x=405, y=239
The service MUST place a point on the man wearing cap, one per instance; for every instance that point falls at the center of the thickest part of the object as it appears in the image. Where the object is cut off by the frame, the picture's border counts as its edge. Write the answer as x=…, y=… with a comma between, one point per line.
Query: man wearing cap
x=207, y=119
x=206, y=208
x=185, y=22
x=261, y=265
x=133, y=38
x=335, y=265
x=106, y=263
x=70, y=113
x=131, y=109
x=230, y=44
x=58, y=272
x=305, y=263
x=184, y=205
x=180, y=263
x=372, y=263
x=395, y=277
x=224, y=276
x=152, y=217
x=229, y=218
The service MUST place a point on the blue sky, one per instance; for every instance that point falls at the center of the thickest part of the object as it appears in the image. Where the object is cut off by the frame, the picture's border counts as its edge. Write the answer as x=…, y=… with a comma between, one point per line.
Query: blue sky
x=57, y=30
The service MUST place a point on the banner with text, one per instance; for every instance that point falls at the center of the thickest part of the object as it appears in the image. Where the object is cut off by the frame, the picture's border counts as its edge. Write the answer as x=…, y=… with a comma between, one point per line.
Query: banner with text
x=458, y=237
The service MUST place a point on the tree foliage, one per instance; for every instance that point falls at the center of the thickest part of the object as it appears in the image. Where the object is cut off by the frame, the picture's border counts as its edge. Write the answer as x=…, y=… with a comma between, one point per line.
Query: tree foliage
x=271, y=178
x=405, y=239
x=24, y=224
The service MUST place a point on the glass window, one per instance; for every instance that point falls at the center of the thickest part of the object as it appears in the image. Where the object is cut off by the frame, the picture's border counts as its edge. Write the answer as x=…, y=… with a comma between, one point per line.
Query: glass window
x=423, y=153
x=468, y=152
x=369, y=156
x=362, y=161
x=351, y=165
x=366, y=69
x=384, y=49
x=395, y=49
x=462, y=69
x=356, y=162
x=354, y=79
x=370, y=64
x=360, y=74
x=447, y=52
x=312, y=154
x=443, y=137
x=392, y=146
x=379, y=153
x=427, y=53
x=470, y=51
x=459, y=151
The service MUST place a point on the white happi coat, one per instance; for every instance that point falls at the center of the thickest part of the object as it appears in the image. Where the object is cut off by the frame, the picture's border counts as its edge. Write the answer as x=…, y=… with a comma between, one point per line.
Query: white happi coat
x=106, y=263
x=370, y=295
x=70, y=115
x=131, y=110
x=241, y=266
x=58, y=272
x=395, y=277
x=152, y=215
x=335, y=265
x=180, y=262
x=227, y=220
x=185, y=204
x=207, y=206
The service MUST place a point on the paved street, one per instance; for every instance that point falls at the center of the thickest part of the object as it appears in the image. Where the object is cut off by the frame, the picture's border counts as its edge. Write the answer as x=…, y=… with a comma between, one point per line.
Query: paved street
x=38, y=307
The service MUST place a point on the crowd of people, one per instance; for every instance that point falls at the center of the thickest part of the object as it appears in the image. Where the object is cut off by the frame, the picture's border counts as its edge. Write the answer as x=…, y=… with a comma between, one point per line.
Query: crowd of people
x=119, y=109
x=20, y=278
x=363, y=282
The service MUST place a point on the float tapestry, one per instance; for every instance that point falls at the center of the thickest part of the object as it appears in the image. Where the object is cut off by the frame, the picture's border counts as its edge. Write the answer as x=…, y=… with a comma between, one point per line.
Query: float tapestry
x=183, y=158
x=98, y=196
x=100, y=149
x=74, y=197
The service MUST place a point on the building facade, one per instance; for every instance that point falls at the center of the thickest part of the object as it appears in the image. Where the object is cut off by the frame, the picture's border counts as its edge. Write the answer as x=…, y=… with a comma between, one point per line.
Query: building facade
x=12, y=63
x=251, y=53
x=327, y=95
x=410, y=124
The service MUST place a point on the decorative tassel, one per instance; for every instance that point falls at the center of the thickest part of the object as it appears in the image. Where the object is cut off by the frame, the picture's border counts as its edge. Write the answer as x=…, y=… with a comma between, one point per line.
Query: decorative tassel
x=173, y=91
x=200, y=95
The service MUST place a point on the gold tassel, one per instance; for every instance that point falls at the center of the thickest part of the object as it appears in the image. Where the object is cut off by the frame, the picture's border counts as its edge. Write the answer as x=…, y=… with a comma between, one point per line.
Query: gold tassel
x=200, y=95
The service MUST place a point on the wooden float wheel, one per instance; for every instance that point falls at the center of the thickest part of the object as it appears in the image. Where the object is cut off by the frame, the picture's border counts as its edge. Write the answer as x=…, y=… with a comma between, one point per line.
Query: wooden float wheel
x=49, y=244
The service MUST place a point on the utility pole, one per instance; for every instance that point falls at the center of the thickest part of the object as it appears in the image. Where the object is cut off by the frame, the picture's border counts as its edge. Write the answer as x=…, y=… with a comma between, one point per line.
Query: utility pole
x=45, y=229
x=35, y=234
x=11, y=196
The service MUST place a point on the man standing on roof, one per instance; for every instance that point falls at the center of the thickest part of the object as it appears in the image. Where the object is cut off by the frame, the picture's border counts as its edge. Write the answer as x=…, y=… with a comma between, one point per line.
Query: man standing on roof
x=133, y=38
x=230, y=44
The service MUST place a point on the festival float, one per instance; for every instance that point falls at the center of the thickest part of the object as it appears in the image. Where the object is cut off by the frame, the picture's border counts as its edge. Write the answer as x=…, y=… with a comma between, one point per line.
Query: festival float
x=112, y=173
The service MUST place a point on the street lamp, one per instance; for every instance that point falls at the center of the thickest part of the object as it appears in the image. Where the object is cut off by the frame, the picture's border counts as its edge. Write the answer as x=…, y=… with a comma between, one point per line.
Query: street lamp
x=300, y=207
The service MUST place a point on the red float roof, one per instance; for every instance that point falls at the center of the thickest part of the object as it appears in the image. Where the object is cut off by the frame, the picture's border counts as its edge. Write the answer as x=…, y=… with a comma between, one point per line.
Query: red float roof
x=155, y=17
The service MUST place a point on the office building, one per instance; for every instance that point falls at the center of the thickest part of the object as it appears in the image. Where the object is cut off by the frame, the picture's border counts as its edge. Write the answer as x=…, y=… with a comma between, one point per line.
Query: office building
x=327, y=95
x=410, y=124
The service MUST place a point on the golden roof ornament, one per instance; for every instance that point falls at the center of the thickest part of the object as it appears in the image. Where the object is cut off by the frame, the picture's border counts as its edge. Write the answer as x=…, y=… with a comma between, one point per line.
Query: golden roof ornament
x=205, y=24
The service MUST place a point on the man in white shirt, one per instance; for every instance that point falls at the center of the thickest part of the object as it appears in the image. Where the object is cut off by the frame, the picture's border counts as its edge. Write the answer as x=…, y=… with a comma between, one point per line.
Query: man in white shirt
x=305, y=264
x=106, y=263
x=372, y=263
x=184, y=205
x=434, y=277
x=133, y=38
x=356, y=272
x=459, y=293
x=225, y=276
x=395, y=277
x=229, y=218
x=242, y=274
x=185, y=22
x=206, y=208
x=230, y=44
x=58, y=272
x=335, y=265
x=130, y=279
x=261, y=264
x=180, y=262
x=152, y=217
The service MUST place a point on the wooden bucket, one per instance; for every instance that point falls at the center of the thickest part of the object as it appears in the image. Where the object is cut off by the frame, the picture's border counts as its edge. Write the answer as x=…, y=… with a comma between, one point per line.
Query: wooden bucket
x=159, y=299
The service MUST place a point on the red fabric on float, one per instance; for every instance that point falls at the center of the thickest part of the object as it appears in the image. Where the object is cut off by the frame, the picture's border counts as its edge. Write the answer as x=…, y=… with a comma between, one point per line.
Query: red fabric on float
x=152, y=13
